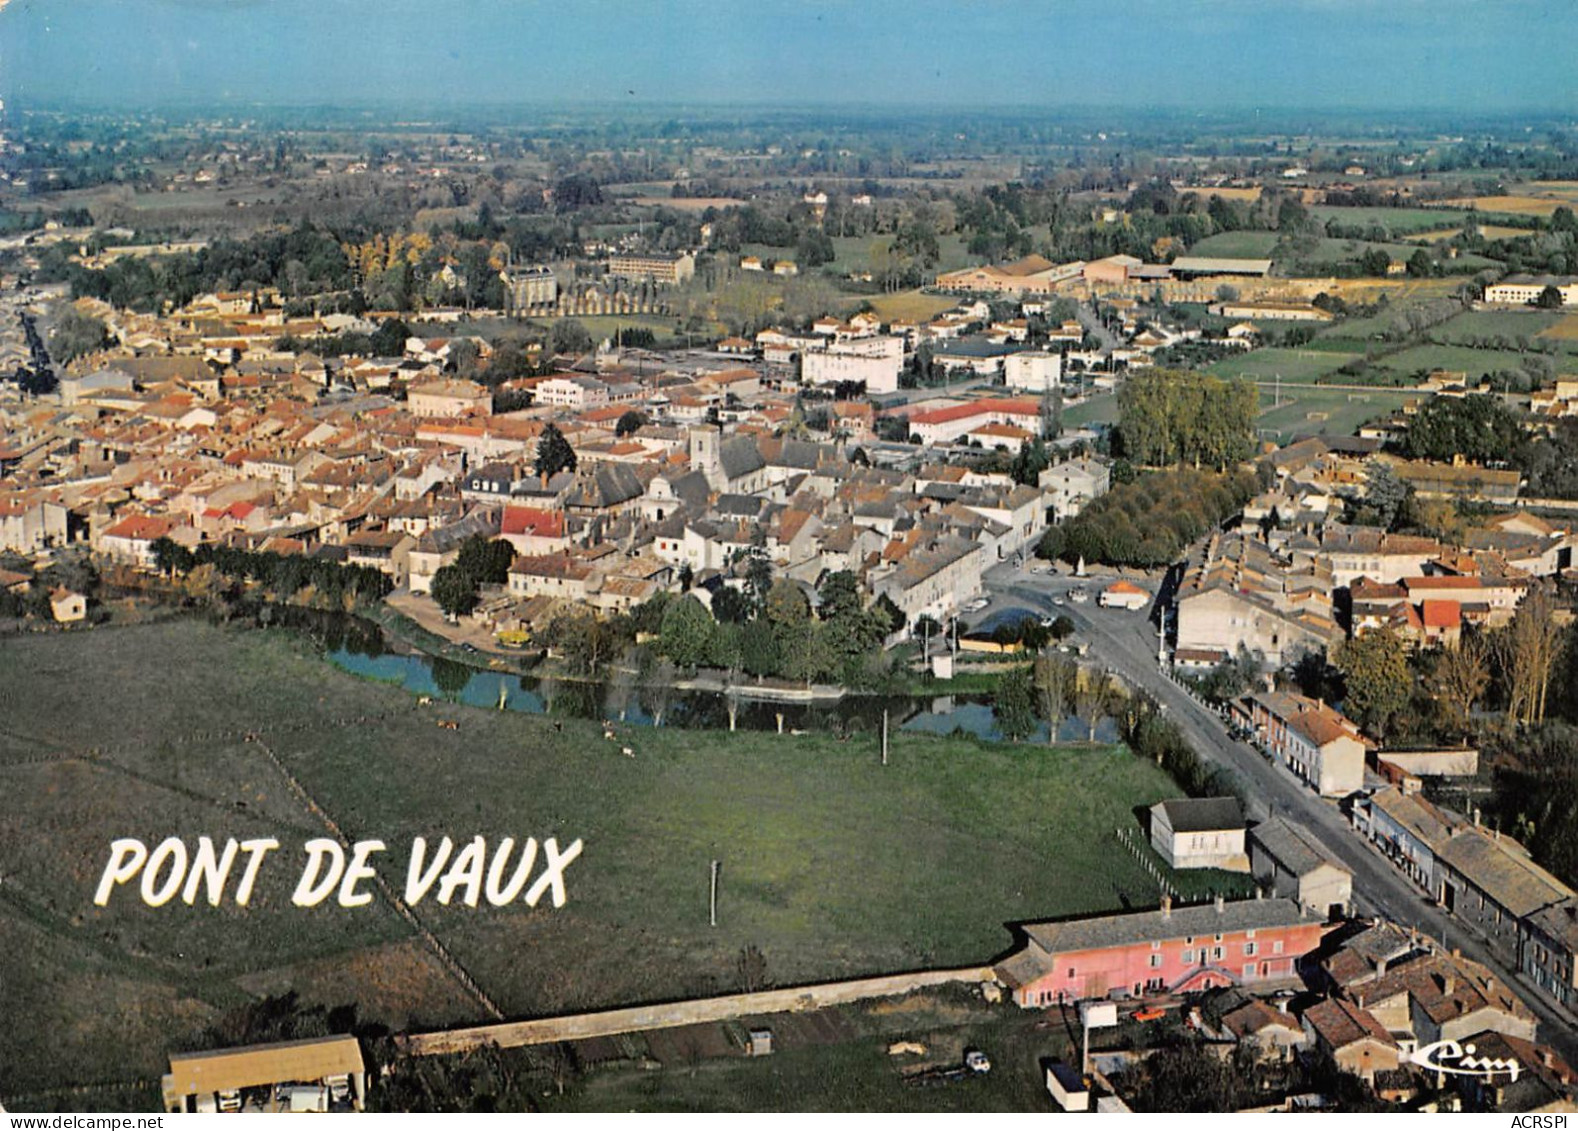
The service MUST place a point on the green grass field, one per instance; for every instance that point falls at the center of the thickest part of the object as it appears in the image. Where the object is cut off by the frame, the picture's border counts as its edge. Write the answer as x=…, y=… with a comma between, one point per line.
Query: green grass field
x=1473, y=324
x=1398, y=222
x=1237, y=245
x=832, y=864
x=1102, y=408
x=1289, y=364
x=1461, y=359
x=1531, y=326
x=1334, y=412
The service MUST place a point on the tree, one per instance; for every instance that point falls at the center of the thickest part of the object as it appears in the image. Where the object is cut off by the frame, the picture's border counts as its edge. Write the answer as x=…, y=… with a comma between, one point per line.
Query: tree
x=839, y=595
x=1095, y=697
x=894, y=615
x=1384, y=492
x=554, y=453
x=485, y=561
x=632, y=421
x=463, y=357
x=786, y=604
x=1171, y=416
x=1527, y=651
x=1055, y=678
x=1460, y=677
x=758, y=580
x=454, y=591
x=1375, y=261
x=758, y=649
x=731, y=606
x=170, y=557
x=390, y=338
x=1031, y=461
x=587, y=641
x=1376, y=678
x=1549, y=299
x=76, y=334
x=752, y=969
x=1481, y=429
x=567, y=336
x=1014, y=704
x=686, y=636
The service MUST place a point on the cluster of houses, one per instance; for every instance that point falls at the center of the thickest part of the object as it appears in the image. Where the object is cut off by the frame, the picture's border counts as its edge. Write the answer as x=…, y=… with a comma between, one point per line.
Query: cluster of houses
x=1485, y=878
x=1291, y=972
x=686, y=465
x=1281, y=583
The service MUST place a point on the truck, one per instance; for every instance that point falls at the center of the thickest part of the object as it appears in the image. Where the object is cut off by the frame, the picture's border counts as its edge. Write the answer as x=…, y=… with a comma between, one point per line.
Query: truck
x=976, y=1063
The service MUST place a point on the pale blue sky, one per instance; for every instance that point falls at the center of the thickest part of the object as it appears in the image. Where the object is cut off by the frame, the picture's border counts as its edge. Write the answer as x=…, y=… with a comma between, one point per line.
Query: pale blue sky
x=1488, y=55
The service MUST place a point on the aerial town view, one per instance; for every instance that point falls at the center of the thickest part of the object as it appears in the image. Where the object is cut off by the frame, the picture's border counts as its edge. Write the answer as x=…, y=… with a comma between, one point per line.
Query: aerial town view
x=793, y=556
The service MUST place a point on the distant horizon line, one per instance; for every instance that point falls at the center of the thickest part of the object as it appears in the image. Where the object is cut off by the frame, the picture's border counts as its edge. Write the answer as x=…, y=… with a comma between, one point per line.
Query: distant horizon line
x=1391, y=113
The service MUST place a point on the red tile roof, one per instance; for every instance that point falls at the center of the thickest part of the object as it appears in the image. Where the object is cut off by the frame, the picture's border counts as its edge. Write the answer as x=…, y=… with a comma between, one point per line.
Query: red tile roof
x=532, y=521
x=140, y=527
x=1442, y=615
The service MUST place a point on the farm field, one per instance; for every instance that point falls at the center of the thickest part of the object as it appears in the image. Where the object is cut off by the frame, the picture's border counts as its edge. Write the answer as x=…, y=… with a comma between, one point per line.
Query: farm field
x=1237, y=245
x=1289, y=364
x=862, y=253
x=1330, y=252
x=1515, y=205
x=911, y=306
x=1396, y=290
x=1406, y=223
x=1477, y=325
x=1206, y=193
x=832, y=864
x=1458, y=359
x=1565, y=330
x=1489, y=231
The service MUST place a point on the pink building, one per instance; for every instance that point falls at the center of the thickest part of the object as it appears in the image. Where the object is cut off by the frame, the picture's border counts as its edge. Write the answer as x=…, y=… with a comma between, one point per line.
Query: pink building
x=1170, y=950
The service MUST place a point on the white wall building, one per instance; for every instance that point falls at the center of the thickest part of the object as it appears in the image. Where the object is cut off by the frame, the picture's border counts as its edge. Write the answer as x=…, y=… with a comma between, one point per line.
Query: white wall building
x=1033, y=371
x=876, y=361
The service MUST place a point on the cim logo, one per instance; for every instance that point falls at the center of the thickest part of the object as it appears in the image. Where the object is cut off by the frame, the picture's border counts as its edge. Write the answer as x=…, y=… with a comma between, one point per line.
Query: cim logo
x=1459, y=1060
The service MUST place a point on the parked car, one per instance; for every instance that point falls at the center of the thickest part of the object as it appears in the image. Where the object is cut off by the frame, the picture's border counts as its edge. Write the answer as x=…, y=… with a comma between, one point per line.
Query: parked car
x=977, y=605
x=1079, y=596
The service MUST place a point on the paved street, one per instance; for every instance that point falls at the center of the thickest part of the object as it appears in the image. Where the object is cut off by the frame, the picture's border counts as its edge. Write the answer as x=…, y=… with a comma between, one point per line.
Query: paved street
x=1126, y=643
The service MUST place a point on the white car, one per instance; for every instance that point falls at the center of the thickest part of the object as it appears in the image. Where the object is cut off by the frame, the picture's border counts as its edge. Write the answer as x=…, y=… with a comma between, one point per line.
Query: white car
x=977, y=605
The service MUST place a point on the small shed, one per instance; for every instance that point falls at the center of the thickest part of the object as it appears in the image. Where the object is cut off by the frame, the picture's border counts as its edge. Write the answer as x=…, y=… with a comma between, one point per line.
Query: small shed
x=1067, y=1087
x=759, y=1042
x=66, y=606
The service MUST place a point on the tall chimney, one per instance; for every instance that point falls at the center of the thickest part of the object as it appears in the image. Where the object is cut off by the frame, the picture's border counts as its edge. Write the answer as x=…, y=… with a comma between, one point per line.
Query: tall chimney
x=1221, y=905
x=1167, y=907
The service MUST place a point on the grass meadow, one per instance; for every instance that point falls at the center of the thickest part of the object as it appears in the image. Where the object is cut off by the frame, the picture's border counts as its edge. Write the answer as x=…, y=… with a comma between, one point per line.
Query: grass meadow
x=832, y=864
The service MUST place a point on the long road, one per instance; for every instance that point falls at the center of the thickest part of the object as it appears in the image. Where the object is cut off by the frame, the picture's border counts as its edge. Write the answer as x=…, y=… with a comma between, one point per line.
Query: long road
x=1126, y=643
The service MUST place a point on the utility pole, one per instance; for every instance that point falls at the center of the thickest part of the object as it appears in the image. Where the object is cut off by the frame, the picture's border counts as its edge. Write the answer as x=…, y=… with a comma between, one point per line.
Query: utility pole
x=884, y=736
x=714, y=898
